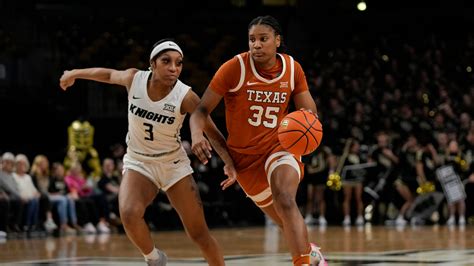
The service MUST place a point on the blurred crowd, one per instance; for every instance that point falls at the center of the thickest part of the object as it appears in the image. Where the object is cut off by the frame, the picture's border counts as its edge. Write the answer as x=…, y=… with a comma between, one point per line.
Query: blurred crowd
x=42, y=198
x=406, y=103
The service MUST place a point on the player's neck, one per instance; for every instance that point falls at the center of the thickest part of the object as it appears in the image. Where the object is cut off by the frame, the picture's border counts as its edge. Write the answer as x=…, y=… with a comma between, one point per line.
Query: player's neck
x=271, y=69
x=264, y=66
x=157, y=91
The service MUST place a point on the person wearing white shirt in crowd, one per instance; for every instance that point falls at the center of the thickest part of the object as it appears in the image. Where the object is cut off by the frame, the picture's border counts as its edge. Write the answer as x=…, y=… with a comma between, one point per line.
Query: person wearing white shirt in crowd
x=28, y=192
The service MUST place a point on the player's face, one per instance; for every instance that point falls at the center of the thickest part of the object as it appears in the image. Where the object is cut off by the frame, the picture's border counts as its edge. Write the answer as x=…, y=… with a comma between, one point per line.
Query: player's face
x=168, y=66
x=263, y=43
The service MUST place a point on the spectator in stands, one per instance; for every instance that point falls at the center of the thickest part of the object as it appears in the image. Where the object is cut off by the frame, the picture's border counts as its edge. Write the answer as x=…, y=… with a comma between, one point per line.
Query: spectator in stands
x=41, y=178
x=93, y=208
x=58, y=187
x=109, y=186
x=117, y=151
x=10, y=187
x=28, y=192
x=4, y=214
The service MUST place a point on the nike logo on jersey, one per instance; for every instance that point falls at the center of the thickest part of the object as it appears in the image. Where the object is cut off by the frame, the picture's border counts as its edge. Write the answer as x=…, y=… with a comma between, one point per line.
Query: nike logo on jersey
x=252, y=83
x=135, y=97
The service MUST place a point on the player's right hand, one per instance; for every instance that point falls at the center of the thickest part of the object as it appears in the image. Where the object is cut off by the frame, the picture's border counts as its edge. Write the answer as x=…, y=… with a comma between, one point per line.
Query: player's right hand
x=66, y=80
x=231, y=173
x=201, y=148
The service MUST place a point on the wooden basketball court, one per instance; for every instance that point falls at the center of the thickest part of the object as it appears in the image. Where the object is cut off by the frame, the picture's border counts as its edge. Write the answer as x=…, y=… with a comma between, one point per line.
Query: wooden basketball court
x=367, y=245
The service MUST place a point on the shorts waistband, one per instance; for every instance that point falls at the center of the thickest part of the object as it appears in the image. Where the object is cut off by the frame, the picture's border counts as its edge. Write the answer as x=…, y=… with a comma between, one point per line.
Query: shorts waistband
x=156, y=155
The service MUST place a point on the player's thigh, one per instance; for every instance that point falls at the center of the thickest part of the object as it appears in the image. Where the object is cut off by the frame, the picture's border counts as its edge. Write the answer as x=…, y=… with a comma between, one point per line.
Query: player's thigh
x=136, y=190
x=284, y=173
x=284, y=180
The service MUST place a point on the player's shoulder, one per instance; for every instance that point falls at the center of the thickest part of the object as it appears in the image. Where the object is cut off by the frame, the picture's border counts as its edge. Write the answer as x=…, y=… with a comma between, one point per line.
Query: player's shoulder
x=237, y=59
x=180, y=83
x=290, y=57
x=243, y=55
x=234, y=63
x=133, y=73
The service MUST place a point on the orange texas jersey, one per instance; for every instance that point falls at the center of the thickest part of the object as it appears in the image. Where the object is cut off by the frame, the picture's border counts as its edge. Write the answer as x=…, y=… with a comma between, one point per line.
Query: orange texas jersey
x=255, y=105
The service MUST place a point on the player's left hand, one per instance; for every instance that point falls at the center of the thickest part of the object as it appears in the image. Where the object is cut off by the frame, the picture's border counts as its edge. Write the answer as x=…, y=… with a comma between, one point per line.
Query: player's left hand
x=231, y=174
x=310, y=111
x=201, y=148
x=66, y=80
x=305, y=109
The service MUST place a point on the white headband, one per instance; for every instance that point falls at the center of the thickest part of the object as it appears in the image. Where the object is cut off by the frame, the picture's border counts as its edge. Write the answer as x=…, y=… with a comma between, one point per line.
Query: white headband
x=163, y=46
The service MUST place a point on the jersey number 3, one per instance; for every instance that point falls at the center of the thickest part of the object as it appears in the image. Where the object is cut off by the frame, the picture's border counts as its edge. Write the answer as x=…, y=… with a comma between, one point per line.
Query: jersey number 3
x=264, y=116
x=149, y=130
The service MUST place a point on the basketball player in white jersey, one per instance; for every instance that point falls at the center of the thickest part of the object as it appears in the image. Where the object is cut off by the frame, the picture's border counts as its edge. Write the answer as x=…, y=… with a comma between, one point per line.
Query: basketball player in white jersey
x=157, y=105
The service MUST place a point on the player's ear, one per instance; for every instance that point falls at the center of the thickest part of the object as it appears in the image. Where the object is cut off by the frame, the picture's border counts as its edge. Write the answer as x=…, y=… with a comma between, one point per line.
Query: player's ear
x=152, y=65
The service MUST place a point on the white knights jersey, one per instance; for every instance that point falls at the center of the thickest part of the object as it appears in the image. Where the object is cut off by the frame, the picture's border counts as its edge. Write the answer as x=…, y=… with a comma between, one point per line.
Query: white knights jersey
x=154, y=127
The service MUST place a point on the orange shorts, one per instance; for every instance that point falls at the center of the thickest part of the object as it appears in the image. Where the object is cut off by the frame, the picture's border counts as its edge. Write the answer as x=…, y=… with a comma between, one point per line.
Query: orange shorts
x=254, y=172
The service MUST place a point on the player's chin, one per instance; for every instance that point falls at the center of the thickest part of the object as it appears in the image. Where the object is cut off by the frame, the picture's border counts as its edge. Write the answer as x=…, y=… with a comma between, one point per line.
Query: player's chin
x=170, y=80
x=258, y=57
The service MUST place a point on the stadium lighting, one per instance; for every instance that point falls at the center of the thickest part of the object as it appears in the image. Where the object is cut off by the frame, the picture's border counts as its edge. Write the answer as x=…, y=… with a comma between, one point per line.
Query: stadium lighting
x=362, y=6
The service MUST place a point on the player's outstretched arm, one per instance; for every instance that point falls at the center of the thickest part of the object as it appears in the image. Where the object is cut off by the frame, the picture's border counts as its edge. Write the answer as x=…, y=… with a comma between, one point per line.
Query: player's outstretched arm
x=105, y=75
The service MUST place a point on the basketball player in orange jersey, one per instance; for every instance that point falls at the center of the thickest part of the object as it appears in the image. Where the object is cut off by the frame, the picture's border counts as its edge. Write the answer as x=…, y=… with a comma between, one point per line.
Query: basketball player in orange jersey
x=257, y=87
x=157, y=105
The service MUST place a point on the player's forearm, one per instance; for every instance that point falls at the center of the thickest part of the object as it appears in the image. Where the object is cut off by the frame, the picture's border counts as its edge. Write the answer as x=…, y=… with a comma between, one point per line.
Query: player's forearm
x=219, y=144
x=96, y=74
x=217, y=141
x=197, y=121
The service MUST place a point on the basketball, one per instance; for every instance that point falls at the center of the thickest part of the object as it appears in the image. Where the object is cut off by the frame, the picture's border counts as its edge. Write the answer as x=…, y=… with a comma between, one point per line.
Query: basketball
x=300, y=132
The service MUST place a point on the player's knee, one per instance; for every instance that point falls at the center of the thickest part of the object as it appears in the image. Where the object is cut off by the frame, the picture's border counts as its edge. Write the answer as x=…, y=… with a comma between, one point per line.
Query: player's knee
x=130, y=213
x=284, y=201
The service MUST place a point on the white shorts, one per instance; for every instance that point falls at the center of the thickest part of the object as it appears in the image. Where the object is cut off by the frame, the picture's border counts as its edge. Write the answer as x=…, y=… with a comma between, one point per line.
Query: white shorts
x=164, y=171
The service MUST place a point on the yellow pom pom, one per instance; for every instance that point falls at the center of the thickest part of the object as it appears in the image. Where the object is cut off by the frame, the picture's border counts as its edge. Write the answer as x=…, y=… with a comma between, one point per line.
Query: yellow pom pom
x=334, y=181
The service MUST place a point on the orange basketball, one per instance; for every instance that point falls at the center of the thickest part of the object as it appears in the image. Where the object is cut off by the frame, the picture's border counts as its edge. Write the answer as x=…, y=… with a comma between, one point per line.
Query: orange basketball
x=300, y=132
